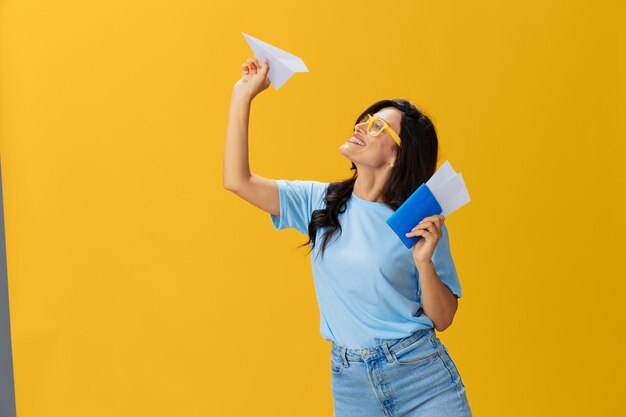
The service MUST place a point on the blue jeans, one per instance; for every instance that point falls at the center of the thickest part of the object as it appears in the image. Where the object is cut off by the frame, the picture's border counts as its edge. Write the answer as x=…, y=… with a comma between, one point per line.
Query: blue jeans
x=412, y=376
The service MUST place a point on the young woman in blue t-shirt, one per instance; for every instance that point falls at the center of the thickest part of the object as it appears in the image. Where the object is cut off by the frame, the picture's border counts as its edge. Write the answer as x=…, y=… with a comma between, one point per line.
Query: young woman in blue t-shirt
x=380, y=308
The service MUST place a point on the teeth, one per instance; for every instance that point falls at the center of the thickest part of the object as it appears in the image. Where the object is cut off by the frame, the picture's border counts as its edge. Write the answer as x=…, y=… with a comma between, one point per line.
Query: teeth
x=355, y=140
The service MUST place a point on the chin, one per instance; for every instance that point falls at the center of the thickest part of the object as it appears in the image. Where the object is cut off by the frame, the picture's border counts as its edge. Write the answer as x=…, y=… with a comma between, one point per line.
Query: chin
x=343, y=152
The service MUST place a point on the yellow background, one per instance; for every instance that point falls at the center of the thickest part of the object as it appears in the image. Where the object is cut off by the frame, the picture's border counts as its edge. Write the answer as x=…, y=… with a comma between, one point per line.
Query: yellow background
x=140, y=287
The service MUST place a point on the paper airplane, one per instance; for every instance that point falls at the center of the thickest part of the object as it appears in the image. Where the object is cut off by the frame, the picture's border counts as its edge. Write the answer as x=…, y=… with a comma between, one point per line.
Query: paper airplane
x=442, y=194
x=282, y=64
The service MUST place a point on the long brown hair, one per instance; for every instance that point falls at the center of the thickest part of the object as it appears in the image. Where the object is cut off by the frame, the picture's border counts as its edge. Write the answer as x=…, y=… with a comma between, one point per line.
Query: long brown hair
x=416, y=160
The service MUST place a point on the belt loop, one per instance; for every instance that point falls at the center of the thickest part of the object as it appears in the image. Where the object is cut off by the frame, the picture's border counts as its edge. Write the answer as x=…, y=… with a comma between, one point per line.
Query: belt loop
x=387, y=353
x=344, y=357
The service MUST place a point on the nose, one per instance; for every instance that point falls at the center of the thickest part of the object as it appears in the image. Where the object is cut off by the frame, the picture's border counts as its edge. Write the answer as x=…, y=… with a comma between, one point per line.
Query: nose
x=358, y=132
x=360, y=128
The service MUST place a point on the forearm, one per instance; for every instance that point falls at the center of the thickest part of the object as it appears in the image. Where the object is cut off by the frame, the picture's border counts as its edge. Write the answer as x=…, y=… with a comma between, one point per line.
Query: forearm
x=236, y=168
x=438, y=302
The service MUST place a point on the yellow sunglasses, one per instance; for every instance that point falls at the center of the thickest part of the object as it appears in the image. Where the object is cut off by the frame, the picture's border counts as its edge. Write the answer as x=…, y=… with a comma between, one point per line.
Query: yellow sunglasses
x=375, y=125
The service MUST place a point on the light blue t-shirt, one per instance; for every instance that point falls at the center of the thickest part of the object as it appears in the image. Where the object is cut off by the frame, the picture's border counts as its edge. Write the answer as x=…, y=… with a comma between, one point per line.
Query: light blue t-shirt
x=367, y=282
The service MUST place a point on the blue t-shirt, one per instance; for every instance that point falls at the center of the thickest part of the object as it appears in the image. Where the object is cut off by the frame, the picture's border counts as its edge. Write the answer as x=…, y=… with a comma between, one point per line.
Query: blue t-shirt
x=367, y=282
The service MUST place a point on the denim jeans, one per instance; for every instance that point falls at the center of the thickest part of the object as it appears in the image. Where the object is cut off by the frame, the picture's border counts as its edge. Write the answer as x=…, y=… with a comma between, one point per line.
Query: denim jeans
x=411, y=376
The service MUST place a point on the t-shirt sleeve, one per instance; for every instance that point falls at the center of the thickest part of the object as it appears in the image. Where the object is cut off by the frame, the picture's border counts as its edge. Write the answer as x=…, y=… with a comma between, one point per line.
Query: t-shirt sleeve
x=444, y=264
x=298, y=200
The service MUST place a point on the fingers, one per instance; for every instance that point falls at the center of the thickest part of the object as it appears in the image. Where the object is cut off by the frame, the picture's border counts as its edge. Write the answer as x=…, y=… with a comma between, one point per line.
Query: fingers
x=429, y=236
x=429, y=225
x=437, y=217
x=253, y=66
x=264, y=66
x=437, y=220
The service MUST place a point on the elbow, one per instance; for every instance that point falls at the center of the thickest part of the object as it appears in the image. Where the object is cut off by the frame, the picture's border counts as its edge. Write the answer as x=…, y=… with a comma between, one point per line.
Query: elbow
x=448, y=317
x=441, y=328
x=235, y=184
x=230, y=186
x=227, y=184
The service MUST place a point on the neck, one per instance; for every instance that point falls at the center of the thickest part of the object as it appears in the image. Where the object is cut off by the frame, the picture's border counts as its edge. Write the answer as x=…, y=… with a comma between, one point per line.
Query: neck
x=369, y=184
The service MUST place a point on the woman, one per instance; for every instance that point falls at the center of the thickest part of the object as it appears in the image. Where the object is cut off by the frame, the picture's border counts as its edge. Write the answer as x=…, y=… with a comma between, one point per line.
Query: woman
x=379, y=302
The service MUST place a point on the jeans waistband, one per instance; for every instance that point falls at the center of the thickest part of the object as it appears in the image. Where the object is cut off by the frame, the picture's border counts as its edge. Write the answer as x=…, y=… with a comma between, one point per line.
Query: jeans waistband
x=379, y=351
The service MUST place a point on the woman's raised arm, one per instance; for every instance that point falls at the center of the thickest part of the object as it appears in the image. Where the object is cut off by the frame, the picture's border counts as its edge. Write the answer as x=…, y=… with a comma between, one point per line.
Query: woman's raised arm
x=236, y=175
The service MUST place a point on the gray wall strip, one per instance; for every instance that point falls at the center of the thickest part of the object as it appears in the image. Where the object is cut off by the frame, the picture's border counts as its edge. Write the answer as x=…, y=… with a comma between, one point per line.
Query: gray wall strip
x=7, y=389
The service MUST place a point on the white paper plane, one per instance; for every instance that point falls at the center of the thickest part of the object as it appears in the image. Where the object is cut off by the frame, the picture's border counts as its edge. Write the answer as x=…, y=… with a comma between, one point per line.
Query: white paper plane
x=448, y=188
x=282, y=64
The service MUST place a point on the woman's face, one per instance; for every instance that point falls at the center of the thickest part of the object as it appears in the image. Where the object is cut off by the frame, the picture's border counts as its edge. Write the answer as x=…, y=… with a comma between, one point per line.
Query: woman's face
x=376, y=151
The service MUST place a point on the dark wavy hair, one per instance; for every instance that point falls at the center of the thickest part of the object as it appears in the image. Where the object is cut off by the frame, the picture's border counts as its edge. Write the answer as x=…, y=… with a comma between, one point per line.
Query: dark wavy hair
x=416, y=160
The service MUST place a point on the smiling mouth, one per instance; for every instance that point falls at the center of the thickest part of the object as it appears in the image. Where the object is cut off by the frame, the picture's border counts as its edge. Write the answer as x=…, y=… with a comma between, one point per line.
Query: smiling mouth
x=356, y=140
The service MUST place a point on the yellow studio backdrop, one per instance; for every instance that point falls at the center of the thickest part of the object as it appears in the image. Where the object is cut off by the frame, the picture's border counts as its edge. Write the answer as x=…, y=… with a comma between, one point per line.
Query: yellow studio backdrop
x=138, y=286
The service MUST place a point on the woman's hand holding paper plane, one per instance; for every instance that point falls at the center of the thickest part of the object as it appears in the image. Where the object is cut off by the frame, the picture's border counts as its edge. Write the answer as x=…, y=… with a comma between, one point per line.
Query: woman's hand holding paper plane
x=282, y=64
x=253, y=78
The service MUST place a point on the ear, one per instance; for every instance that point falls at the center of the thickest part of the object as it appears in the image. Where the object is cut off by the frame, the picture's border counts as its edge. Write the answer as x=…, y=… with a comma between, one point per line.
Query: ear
x=392, y=161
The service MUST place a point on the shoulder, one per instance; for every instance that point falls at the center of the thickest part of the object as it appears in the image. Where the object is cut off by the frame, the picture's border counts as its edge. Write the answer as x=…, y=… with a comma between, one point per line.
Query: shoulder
x=318, y=192
x=310, y=190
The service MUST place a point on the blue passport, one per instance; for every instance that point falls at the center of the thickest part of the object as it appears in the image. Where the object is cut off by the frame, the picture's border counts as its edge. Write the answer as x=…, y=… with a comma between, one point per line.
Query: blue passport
x=419, y=205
